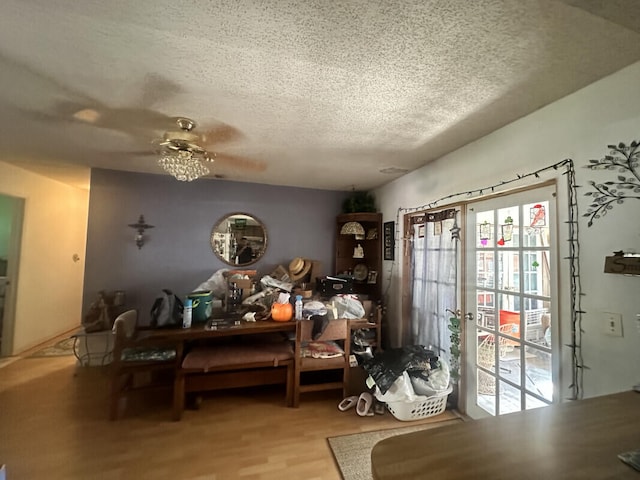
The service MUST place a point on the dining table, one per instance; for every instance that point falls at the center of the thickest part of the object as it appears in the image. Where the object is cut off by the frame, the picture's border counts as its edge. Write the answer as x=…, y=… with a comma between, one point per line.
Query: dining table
x=214, y=328
x=577, y=439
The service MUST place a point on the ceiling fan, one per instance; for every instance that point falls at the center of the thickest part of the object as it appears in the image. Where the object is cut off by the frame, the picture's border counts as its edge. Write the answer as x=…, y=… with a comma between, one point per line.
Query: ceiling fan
x=185, y=154
x=59, y=105
x=184, y=139
x=180, y=155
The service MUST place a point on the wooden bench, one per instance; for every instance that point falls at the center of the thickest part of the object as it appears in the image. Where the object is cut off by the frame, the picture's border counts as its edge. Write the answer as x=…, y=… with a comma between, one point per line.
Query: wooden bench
x=246, y=363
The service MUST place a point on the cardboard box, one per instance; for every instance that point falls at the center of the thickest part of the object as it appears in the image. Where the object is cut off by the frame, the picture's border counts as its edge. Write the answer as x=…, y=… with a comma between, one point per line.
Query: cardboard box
x=244, y=285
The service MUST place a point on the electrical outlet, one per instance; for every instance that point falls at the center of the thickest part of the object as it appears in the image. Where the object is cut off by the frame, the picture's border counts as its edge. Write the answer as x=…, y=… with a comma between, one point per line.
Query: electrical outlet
x=612, y=324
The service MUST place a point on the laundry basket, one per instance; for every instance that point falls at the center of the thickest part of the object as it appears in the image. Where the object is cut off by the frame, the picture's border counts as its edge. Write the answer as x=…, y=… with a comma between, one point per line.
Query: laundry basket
x=407, y=411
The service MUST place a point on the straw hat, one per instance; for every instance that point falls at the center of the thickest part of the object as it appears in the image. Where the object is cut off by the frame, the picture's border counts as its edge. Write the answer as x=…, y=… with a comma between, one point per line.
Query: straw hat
x=298, y=268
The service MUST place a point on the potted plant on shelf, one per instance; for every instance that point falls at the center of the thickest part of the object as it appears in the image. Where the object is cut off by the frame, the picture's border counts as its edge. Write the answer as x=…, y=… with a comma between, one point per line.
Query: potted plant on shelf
x=359, y=202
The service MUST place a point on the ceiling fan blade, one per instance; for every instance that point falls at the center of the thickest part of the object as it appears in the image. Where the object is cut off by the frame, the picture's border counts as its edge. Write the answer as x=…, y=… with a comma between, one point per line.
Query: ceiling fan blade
x=137, y=122
x=156, y=88
x=132, y=120
x=235, y=163
x=221, y=134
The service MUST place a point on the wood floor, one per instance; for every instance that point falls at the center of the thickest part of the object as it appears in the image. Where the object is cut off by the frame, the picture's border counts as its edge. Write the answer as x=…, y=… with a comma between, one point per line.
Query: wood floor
x=53, y=425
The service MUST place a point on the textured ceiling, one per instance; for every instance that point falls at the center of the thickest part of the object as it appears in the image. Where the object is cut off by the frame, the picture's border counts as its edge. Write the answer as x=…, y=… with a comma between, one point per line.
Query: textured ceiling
x=315, y=93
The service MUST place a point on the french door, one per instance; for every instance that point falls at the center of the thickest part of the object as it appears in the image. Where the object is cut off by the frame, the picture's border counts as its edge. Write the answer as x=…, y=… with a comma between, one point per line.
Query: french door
x=510, y=299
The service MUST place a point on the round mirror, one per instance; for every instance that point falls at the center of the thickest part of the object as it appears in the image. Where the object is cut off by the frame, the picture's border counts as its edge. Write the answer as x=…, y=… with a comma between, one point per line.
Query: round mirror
x=239, y=239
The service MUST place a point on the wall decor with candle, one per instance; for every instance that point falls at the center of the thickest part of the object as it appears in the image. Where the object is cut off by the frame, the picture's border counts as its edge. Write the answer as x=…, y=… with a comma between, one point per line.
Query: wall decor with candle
x=140, y=227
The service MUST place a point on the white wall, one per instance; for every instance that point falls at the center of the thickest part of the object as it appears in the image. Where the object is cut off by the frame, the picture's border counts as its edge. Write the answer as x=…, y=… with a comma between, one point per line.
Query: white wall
x=49, y=281
x=579, y=127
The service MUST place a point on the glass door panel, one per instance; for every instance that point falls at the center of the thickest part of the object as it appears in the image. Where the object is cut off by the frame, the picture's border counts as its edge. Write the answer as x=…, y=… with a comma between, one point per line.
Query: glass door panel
x=509, y=291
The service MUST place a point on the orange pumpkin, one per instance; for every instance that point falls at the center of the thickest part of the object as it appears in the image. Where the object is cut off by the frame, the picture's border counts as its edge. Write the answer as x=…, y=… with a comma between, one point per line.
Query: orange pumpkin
x=281, y=312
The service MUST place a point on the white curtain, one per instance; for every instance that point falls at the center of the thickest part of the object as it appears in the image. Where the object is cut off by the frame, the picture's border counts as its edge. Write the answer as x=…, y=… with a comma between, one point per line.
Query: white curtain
x=434, y=273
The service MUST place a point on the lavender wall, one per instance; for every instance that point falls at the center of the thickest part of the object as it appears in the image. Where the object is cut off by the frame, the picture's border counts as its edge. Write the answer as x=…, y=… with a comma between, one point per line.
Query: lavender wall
x=177, y=254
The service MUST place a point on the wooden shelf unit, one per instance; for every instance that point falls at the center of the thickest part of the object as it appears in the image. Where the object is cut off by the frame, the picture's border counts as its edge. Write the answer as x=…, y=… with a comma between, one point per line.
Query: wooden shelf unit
x=345, y=245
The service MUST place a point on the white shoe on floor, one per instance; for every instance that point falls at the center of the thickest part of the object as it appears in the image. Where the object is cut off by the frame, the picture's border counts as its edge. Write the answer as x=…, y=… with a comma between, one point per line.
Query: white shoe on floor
x=365, y=402
x=348, y=403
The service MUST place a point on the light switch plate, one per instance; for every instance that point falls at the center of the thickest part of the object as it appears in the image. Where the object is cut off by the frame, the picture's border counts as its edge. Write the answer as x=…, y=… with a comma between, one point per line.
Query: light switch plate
x=612, y=324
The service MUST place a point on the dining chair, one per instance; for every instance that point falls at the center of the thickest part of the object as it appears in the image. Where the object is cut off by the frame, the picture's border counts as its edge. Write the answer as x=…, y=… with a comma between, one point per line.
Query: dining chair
x=133, y=356
x=329, y=353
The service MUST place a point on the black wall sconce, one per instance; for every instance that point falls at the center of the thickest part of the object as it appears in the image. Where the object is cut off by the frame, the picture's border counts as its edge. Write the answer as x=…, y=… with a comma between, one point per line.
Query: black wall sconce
x=140, y=227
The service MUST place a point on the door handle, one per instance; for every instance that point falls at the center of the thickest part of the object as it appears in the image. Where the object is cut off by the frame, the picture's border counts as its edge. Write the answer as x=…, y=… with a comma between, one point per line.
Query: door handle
x=468, y=316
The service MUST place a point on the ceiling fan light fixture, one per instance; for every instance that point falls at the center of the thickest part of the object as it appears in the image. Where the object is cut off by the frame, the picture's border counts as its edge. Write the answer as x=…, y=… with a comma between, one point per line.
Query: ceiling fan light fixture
x=181, y=156
x=183, y=165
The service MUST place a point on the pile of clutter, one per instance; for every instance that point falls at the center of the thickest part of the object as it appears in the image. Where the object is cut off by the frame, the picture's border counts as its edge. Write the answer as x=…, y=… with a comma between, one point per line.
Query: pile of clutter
x=407, y=375
x=242, y=291
x=404, y=374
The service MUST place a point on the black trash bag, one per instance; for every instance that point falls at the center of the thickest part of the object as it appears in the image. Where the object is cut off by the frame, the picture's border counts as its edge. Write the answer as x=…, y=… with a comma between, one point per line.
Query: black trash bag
x=167, y=310
x=387, y=366
x=320, y=323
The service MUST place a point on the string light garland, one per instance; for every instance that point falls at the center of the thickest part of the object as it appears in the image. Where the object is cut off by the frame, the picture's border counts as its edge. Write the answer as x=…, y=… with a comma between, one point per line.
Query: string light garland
x=577, y=361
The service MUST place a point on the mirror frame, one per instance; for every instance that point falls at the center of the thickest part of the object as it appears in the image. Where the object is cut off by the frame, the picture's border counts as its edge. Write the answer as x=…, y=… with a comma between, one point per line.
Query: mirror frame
x=221, y=221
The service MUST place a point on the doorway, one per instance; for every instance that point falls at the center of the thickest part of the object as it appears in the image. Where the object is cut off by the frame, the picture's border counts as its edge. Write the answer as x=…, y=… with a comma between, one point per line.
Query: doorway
x=11, y=215
x=510, y=294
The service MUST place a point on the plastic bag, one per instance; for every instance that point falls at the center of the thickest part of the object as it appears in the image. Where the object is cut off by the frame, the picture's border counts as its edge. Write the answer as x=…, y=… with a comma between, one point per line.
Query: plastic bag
x=313, y=308
x=268, y=281
x=217, y=284
x=435, y=381
x=348, y=306
x=387, y=366
x=400, y=391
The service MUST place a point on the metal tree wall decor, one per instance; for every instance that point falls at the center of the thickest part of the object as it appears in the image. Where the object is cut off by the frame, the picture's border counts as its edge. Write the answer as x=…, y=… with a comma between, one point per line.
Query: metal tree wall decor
x=625, y=159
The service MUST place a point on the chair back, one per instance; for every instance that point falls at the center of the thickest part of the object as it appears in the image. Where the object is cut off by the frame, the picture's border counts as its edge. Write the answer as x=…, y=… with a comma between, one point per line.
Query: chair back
x=124, y=325
x=368, y=308
x=337, y=329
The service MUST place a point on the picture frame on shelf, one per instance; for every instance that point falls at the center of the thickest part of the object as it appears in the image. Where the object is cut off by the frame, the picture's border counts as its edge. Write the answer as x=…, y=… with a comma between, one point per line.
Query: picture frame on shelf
x=389, y=240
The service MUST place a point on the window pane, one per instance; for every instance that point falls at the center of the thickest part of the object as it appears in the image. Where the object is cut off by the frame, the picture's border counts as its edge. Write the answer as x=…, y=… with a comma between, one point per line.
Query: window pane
x=536, y=232
x=486, y=351
x=533, y=402
x=508, y=227
x=485, y=267
x=509, y=271
x=486, y=308
x=536, y=275
x=509, y=399
x=537, y=322
x=486, y=392
x=485, y=229
x=538, y=373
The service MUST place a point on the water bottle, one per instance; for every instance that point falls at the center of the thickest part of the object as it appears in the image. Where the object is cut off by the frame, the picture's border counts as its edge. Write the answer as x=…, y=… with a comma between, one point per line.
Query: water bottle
x=186, y=313
x=235, y=297
x=298, y=314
